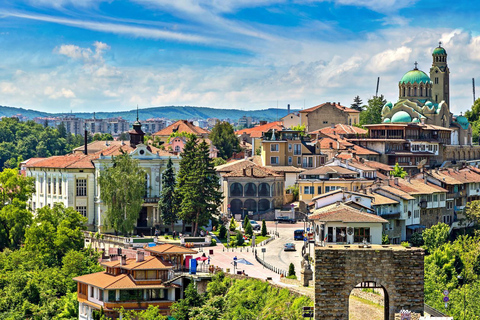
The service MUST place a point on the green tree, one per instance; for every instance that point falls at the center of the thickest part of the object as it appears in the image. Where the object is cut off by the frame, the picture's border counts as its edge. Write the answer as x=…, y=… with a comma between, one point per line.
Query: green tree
x=239, y=239
x=187, y=163
x=233, y=224
x=435, y=236
x=191, y=299
x=385, y=239
x=398, y=172
x=373, y=111
x=357, y=104
x=291, y=270
x=218, y=162
x=223, y=232
x=166, y=204
x=472, y=213
x=62, y=131
x=416, y=239
x=200, y=191
x=224, y=139
x=249, y=229
x=473, y=114
x=122, y=188
x=264, y=228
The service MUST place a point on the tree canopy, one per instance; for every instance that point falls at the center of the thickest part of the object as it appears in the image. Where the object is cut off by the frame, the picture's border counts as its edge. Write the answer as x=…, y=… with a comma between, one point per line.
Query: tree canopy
x=166, y=204
x=122, y=188
x=357, y=104
x=224, y=139
x=398, y=172
x=373, y=111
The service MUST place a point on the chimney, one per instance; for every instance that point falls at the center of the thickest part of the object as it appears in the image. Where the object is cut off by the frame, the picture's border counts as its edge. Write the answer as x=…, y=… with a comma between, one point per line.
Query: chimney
x=140, y=256
x=338, y=103
x=251, y=172
x=332, y=126
x=425, y=178
x=354, y=154
x=262, y=122
x=288, y=108
x=123, y=260
x=396, y=181
x=408, y=178
x=113, y=257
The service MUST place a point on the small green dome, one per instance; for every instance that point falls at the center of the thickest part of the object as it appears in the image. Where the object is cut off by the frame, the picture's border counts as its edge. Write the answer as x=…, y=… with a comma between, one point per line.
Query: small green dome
x=389, y=104
x=429, y=104
x=386, y=120
x=439, y=50
x=416, y=120
x=401, y=116
x=415, y=76
x=462, y=121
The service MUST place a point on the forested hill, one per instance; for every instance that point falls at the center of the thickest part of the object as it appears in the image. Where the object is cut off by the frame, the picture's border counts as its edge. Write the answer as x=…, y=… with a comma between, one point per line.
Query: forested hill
x=170, y=112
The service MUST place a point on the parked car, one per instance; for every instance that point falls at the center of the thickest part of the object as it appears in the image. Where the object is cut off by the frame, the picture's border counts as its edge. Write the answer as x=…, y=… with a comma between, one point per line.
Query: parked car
x=289, y=247
x=255, y=225
x=285, y=219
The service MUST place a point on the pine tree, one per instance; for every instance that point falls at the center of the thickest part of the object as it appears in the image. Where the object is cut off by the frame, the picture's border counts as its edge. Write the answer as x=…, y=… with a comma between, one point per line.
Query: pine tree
x=249, y=229
x=223, y=232
x=166, y=204
x=232, y=226
x=264, y=228
x=199, y=193
x=357, y=104
x=291, y=270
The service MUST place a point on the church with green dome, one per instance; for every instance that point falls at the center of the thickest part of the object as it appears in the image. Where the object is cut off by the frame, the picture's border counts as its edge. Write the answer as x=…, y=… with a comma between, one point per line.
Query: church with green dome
x=425, y=99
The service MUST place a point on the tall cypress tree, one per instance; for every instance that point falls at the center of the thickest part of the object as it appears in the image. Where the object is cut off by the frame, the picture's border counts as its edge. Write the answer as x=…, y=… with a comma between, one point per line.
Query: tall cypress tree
x=166, y=204
x=198, y=188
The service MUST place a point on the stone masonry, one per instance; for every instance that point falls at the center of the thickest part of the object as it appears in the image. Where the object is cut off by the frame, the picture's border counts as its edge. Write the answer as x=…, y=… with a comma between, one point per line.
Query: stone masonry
x=339, y=269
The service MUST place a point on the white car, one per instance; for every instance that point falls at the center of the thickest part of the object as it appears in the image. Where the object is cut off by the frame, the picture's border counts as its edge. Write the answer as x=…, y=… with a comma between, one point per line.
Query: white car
x=255, y=225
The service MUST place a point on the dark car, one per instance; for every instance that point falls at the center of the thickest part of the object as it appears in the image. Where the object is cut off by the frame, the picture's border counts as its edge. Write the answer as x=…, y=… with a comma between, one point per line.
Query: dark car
x=285, y=219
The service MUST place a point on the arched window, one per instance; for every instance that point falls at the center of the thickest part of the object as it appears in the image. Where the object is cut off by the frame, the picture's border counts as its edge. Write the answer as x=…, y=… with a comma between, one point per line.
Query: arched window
x=236, y=206
x=236, y=190
x=415, y=91
x=264, y=190
x=177, y=149
x=251, y=205
x=263, y=205
x=273, y=189
x=279, y=189
x=147, y=184
x=250, y=190
x=409, y=91
x=421, y=91
x=404, y=91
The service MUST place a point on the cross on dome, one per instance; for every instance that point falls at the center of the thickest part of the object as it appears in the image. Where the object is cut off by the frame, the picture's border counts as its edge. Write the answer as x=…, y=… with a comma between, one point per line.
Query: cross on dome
x=416, y=63
x=440, y=44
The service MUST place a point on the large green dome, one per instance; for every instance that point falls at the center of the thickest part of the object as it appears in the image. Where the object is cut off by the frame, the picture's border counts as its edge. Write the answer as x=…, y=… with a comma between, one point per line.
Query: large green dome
x=415, y=76
x=401, y=116
x=439, y=50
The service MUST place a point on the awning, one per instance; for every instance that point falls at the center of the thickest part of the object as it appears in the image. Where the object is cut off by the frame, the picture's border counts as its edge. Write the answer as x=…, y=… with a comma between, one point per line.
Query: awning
x=415, y=226
x=390, y=215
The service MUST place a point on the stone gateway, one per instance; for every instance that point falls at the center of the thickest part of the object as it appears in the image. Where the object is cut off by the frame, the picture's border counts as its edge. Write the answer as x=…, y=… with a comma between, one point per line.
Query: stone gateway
x=339, y=269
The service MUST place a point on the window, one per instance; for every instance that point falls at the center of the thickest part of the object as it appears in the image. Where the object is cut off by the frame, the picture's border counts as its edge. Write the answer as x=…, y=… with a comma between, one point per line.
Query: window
x=82, y=210
x=54, y=185
x=81, y=187
x=435, y=197
x=319, y=190
x=297, y=149
x=112, y=295
x=416, y=213
x=290, y=147
x=100, y=294
x=290, y=160
x=449, y=205
x=325, y=122
x=92, y=291
x=442, y=197
x=273, y=160
x=274, y=147
x=309, y=190
x=60, y=187
x=49, y=185
x=299, y=160
x=141, y=275
x=360, y=234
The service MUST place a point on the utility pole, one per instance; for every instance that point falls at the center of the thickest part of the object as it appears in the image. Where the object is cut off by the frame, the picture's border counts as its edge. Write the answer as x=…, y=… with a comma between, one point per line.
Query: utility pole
x=473, y=88
x=378, y=84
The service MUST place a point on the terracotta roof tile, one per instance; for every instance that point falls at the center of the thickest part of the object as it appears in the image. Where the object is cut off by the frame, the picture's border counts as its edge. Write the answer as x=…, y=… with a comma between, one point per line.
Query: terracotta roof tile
x=329, y=169
x=344, y=213
x=257, y=131
x=402, y=194
x=105, y=281
x=73, y=160
x=149, y=263
x=349, y=110
x=169, y=249
x=379, y=199
x=342, y=129
x=181, y=126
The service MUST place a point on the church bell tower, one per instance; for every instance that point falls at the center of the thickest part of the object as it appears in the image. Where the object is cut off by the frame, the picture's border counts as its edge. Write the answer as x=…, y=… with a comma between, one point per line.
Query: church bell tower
x=439, y=74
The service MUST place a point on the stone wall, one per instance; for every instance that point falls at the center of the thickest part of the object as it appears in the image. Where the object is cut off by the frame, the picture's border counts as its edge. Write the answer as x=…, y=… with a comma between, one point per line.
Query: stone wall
x=465, y=152
x=338, y=270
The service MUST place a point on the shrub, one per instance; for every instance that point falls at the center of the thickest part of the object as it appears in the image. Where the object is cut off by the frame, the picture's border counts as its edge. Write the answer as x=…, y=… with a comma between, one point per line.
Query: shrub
x=405, y=244
x=233, y=224
x=385, y=239
x=416, y=239
x=291, y=270
x=213, y=243
x=264, y=228
x=249, y=229
x=223, y=232
x=239, y=239
x=246, y=221
x=294, y=277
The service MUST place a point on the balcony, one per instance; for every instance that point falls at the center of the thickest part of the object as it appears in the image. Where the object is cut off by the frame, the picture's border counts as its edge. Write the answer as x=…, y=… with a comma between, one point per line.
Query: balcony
x=151, y=199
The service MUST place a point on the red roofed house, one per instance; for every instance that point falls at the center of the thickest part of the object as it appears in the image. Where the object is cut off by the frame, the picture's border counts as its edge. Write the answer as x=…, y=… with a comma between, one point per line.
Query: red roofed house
x=254, y=135
x=133, y=284
x=179, y=127
x=326, y=114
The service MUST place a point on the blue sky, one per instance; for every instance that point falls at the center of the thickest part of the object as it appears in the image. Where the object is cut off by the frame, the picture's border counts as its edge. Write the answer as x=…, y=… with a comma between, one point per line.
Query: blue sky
x=88, y=55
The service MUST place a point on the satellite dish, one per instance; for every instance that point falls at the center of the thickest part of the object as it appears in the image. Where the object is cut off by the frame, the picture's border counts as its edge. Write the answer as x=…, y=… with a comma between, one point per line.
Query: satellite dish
x=422, y=164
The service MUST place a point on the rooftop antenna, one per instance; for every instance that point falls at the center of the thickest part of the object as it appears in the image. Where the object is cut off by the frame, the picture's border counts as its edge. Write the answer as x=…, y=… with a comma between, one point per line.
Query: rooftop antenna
x=378, y=84
x=473, y=87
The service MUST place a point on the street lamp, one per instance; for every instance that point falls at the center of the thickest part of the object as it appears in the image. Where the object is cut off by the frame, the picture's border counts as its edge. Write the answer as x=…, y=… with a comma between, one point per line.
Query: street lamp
x=276, y=225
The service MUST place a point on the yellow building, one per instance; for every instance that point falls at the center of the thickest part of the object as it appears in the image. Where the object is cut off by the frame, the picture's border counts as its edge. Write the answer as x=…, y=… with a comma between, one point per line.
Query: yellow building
x=329, y=178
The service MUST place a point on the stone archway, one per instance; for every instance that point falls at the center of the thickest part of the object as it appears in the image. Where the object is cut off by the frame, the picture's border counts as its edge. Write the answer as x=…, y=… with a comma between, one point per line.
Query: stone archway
x=338, y=269
x=381, y=299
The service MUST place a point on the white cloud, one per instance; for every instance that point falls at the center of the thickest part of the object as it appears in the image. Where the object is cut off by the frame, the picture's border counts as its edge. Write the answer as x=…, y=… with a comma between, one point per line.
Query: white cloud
x=389, y=60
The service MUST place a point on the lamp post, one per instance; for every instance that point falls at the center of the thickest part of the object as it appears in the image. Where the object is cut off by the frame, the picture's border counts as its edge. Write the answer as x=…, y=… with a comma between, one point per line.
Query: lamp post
x=276, y=225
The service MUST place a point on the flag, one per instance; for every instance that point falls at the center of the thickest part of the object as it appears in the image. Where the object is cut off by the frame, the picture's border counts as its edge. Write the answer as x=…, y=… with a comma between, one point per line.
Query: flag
x=325, y=240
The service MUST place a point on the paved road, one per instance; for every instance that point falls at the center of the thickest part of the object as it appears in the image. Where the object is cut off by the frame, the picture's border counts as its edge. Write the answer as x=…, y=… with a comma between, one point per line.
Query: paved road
x=275, y=254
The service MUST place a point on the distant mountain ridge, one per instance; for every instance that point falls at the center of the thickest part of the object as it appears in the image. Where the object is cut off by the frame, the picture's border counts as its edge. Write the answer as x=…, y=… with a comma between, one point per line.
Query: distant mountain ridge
x=170, y=112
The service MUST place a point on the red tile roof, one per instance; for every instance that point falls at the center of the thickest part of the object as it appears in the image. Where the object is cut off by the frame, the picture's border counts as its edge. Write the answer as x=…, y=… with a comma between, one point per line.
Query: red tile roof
x=329, y=169
x=345, y=109
x=246, y=168
x=342, y=129
x=74, y=161
x=149, y=263
x=169, y=249
x=344, y=213
x=181, y=126
x=105, y=281
x=257, y=132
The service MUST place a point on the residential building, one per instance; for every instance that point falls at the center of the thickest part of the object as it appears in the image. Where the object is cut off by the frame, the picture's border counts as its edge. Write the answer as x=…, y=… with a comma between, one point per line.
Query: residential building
x=326, y=114
x=249, y=188
x=177, y=144
x=291, y=120
x=245, y=121
x=254, y=135
x=133, y=284
x=181, y=126
x=342, y=224
x=290, y=148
